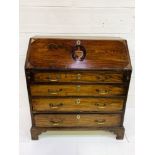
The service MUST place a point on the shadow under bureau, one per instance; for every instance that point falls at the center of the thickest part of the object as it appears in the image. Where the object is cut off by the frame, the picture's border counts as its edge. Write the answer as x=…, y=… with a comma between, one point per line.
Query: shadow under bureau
x=77, y=84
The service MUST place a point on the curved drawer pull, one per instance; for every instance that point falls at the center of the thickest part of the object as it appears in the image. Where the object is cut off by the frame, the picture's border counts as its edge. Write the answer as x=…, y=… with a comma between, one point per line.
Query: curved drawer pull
x=101, y=106
x=100, y=122
x=51, y=92
x=103, y=92
x=55, y=106
x=53, y=80
x=55, y=123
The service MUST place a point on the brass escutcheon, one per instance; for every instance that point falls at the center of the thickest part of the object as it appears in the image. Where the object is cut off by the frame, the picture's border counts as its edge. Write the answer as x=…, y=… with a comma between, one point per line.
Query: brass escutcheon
x=78, y=42
x=78, y=76
x=78, y=116
x=77, y=101
x=78, y=87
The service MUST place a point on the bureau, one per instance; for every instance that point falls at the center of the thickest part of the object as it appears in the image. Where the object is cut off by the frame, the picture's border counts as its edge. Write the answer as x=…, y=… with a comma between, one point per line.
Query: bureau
x=77, y=84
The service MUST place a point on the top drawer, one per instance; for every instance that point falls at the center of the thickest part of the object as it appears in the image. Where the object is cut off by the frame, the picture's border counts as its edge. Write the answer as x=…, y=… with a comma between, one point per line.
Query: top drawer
x=104, y=76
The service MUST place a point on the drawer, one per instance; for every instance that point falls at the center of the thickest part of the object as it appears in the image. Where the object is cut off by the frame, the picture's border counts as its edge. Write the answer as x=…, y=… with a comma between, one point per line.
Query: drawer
x=108, y=77
x=76, y=120
x=78, y=104
x=77, y=90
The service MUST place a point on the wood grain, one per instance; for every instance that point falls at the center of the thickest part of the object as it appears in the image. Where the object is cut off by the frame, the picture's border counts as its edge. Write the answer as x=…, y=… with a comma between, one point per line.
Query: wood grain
x=77, y=105
x=79, y=76
x=100, y=54
x=62, y=120
x=77, y=90
x=68, y=94
x=24, y=38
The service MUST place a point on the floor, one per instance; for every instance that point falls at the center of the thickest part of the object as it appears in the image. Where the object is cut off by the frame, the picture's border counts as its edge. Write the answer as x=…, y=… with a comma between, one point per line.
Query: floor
x=72, y=142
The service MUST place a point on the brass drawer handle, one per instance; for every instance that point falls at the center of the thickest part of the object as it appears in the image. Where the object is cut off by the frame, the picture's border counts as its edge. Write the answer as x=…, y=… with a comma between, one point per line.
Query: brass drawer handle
x=51, y=92
x=53, y=80
x=100, y=122
x=101, y=106
x=103, y=92
x=55, y=123
x=55, y=106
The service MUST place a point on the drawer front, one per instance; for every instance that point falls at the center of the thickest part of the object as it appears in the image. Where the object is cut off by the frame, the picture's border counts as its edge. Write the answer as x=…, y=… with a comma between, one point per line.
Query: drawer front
x=107, y=77
x=73, y=120
x=78, y=105
x=77, y=90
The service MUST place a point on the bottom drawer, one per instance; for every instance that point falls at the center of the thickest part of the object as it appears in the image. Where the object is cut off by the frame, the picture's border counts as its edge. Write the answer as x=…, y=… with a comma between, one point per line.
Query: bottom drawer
x=77, y=120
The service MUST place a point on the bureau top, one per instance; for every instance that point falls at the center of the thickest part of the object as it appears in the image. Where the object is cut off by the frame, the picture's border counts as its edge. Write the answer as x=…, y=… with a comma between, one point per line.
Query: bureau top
x=74, y=54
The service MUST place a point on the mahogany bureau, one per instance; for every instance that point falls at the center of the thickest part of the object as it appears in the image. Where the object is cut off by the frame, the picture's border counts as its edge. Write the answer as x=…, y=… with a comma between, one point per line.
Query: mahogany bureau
x=77, y=84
